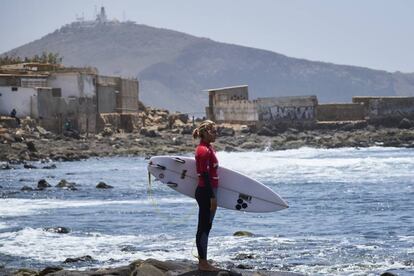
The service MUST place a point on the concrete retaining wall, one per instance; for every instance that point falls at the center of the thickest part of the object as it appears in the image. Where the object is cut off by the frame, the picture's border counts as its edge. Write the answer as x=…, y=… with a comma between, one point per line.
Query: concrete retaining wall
x=300, y=109
x=387, y=108
x=340, y=112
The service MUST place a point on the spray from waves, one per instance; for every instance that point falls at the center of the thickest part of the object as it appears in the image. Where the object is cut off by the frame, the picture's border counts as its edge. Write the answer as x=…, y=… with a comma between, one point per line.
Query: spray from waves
x=323, y=165
x=49, y=247
x=12, y=207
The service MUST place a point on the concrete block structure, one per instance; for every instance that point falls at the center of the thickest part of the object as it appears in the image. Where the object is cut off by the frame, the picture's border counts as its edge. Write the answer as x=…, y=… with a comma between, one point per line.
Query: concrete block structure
x=232, y=105
x=75, y=95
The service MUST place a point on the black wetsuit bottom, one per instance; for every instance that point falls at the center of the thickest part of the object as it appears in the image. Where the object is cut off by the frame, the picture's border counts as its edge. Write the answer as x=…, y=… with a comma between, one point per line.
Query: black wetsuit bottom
x=205, y=221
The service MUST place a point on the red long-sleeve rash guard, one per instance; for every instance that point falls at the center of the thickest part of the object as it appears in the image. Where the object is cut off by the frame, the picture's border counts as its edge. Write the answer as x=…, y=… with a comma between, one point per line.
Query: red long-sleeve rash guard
x=206, y=162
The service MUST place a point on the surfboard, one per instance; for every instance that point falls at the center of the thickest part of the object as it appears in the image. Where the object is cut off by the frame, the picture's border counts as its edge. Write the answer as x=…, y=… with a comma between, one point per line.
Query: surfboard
x=236, y=191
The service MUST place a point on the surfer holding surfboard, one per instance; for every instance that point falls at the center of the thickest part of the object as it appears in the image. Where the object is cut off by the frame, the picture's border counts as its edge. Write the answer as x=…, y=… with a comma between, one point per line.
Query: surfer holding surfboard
x=205, y=194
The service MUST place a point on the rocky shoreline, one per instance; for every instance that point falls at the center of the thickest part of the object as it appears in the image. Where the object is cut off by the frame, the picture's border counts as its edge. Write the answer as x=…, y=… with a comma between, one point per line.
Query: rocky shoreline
x=30, y=142
x=149, y=267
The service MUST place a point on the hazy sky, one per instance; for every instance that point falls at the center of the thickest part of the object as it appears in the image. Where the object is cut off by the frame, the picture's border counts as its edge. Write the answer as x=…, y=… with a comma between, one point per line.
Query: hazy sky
x=377, y=34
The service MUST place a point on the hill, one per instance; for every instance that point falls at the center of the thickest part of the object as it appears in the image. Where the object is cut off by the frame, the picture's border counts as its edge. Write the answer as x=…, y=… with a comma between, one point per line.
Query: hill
x=173, y=68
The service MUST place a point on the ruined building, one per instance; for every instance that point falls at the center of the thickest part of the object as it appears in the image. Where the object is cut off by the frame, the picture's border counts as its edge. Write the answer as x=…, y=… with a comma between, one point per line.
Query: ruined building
x=232, y=105
x=55, y=95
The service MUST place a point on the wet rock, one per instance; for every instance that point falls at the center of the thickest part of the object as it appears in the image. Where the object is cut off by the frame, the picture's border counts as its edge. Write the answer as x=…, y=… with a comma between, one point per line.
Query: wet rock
x=49, y=269
x=26, y=189
x=245, y=129
x=85, y=258
x=59, y=230
x=31, y=146
x=5, y=167
x=148, y=132
x=187, y=130
x=244, y=266
x=388, y=274
x=103, y=185
x=29, y=166
x=225, y=131
x=249, y=145
x=265, y=131
x=244, y=256
x=25, y=272
x=53, y=166
x=43, y=184
x=147, y=270
x=66, y=185
x=243, y=234
x=405, y=124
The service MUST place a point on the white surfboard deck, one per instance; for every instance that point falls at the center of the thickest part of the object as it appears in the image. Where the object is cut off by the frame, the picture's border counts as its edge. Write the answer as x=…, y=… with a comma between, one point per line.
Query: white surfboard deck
x=236, y=191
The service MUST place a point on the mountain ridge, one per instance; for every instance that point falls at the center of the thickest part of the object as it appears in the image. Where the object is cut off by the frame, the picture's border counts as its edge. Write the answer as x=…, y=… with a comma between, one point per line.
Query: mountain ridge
x=174, y=68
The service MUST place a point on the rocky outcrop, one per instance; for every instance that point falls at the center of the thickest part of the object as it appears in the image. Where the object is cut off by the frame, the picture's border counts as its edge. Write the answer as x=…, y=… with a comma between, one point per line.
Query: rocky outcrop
x=160, y=132
x=150, y=267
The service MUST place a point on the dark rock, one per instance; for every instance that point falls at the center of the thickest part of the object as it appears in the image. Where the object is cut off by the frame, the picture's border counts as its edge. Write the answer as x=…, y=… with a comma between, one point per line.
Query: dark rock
x=243, y=266
x=103, y=185
x=225, y=131
x=59, y=230
x=405, y=124
x=42, y=184
x=53, y=166
x=244, y=256
x=66, y=185
x=5, y=167
x=245, y=129
x=31, y=146
x=26, y=189
x=243, y=234
x=388, y=274
x=107, y=131
x=229, y=149
x=29, y=166
x=152, y=133
x=86, y=258
x=25, y=272
x=187, y=130
x=49, y=269
x=265, y=131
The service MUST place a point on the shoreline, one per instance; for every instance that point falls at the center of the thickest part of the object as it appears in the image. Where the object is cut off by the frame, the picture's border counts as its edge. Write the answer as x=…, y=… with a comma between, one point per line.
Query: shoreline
x=24, y=144
x=148, y=267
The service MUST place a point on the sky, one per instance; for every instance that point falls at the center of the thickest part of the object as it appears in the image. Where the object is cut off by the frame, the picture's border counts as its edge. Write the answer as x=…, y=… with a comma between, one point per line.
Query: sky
x=377, y=34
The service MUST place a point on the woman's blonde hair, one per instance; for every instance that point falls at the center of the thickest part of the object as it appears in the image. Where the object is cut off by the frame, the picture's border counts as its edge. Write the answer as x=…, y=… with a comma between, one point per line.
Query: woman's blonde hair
x=203, y=128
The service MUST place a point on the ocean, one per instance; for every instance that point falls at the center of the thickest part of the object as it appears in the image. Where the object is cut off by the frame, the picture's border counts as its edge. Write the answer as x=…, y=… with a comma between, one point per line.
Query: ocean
x=351, y=213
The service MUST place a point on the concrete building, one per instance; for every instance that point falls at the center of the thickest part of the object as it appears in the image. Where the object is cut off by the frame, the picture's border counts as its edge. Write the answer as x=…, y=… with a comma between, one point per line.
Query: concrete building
x=76, y=95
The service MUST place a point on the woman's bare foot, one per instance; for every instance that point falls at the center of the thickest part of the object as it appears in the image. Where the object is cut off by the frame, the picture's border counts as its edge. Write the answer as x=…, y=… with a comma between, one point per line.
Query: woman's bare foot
x=203, y=265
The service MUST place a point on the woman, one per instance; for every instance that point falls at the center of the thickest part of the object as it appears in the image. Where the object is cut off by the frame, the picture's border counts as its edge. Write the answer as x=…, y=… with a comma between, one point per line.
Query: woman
x=207, y=164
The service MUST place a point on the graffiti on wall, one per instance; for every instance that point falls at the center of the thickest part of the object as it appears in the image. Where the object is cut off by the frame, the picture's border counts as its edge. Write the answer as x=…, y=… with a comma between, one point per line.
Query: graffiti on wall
x=294, y=113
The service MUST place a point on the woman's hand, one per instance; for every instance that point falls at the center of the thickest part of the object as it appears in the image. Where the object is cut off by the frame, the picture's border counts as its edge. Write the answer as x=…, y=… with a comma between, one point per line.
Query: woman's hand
x=213, y=204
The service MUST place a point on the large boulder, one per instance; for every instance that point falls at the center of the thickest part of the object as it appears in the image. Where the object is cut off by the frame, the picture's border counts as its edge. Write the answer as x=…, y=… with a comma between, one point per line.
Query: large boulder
x=64, y=184
x=103, y=185
x=43, y=184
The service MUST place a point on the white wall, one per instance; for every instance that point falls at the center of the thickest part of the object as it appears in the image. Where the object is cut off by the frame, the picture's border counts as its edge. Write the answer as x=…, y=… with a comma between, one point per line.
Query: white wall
x=21, y=100
x=73, y=84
